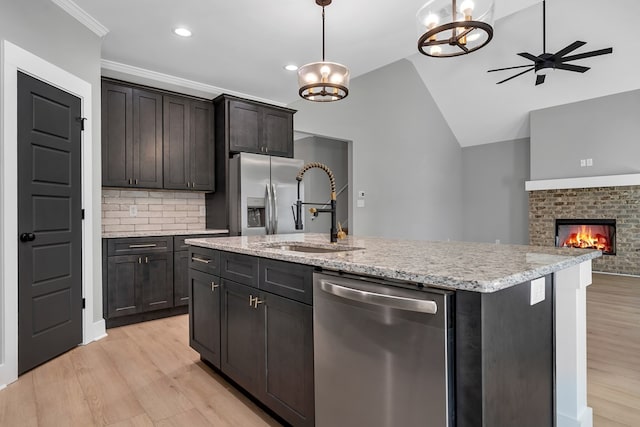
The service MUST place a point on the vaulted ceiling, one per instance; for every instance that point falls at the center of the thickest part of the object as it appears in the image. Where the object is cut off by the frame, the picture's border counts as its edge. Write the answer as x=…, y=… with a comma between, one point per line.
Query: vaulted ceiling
x=242, y=45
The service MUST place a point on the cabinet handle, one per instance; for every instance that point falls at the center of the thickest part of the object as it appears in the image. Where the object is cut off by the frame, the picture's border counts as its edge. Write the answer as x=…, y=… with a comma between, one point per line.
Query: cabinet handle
x=148, y=245
x=266, y=149
x=204, y=261
x=184, y=298
x=214, y=286
x=256, y=302
x=126, y=308
x=158, y=302
x=188, y=184
x=130, y=181
x=146, y=260
x=136, y=181
x=251, y=300
x=139, y=260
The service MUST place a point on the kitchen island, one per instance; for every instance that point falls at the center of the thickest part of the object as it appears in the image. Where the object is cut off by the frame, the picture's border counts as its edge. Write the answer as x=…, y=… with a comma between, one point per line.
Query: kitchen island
x=493, y=333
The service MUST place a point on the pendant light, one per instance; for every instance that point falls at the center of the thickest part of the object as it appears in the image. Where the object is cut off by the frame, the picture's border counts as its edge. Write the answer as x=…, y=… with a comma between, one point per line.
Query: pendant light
x=323, y=81
x=453, y=28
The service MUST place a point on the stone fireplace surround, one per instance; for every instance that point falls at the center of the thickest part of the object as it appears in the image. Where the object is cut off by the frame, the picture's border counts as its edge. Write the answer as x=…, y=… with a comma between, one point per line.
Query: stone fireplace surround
x=590, y=198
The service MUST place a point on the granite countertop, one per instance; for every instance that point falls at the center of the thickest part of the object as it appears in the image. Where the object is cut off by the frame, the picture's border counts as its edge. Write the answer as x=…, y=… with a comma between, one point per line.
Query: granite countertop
x=479, y=267
x=121, y=234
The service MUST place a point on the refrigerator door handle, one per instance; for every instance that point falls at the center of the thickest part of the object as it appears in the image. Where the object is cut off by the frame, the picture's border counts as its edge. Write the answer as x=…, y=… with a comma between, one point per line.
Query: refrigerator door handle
x=267, y=210
x=274, y=200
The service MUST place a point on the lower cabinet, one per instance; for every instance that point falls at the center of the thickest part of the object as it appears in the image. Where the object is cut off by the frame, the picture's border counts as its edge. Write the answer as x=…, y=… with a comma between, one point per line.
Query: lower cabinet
x=180, y=278
x=265, y=341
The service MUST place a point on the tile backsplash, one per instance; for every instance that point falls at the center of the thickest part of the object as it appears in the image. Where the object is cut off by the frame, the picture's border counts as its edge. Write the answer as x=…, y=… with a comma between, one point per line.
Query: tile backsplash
x=149, y=210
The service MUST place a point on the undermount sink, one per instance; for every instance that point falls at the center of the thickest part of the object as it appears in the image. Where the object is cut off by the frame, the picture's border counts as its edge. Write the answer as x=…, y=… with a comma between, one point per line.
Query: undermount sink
x=299, y=247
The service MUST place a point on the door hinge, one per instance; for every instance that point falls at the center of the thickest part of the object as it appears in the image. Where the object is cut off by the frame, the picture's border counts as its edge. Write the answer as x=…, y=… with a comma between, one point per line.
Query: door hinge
x=81, y=120
x=82, y=214
x=84, y=303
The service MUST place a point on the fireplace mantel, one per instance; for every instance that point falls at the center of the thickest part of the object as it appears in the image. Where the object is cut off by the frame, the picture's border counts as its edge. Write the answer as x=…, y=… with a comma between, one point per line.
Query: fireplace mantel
x=583, y=182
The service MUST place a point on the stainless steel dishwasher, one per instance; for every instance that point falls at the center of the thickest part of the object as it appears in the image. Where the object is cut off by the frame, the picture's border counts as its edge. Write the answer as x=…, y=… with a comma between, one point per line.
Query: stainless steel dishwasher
x=383, y=354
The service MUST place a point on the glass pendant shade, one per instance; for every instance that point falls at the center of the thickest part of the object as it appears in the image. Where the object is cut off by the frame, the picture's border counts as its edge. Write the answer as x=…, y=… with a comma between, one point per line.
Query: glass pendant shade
x=323, y=81
x=451, y=28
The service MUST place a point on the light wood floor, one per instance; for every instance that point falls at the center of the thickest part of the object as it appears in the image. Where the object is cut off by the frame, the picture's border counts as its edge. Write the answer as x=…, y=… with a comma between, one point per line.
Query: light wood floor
x=613, y=350
x=146, y=374
x=140, y=375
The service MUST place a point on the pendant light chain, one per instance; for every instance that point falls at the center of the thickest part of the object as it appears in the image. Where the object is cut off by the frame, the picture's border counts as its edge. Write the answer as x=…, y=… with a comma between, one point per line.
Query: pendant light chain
x=322, y=33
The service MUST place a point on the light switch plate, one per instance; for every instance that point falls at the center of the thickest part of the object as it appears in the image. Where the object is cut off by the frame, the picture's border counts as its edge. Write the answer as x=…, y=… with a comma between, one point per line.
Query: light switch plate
x=537, y=291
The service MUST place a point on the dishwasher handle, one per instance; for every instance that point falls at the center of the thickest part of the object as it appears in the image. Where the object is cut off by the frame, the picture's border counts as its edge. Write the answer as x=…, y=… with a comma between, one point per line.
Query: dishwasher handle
x=401, y=303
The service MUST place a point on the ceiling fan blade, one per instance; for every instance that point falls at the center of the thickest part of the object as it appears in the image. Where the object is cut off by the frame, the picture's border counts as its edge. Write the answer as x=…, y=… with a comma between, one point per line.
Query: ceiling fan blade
x=540, y=79
x=573, y=46
x=569, y=67
x=585, y=55
x=508, y=68
x=529, y=56
x=513, y=77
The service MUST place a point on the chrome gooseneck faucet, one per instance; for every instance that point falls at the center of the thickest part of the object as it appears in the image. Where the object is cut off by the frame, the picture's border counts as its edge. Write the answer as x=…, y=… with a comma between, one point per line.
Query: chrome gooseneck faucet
x=315, y=211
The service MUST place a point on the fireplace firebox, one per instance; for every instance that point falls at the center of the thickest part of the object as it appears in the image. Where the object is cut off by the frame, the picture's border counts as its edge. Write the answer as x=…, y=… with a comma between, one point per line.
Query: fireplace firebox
x=587, y=234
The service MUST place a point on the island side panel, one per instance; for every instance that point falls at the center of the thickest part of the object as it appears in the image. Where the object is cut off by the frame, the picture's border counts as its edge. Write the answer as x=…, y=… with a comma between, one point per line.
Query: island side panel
x=505, y=358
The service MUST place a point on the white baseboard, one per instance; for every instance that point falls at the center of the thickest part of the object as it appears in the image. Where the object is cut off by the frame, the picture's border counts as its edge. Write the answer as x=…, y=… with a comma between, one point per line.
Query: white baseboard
x=585, y=419
x=98, y=331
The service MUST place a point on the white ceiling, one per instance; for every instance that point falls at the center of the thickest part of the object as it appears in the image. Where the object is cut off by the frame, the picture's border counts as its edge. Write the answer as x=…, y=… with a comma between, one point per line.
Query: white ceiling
x=242, y=45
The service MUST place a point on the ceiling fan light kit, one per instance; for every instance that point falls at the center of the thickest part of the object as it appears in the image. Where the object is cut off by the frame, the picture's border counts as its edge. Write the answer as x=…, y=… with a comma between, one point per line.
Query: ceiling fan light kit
x=546, y=63
x=454, y=27
x=323, y=81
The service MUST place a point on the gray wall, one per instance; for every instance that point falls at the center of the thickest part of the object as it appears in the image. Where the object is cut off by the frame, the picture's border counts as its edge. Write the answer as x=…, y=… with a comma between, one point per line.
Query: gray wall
x=334, y=154
x=495, y=202
x=45, y=30
x=604, y=129
x=405, y=157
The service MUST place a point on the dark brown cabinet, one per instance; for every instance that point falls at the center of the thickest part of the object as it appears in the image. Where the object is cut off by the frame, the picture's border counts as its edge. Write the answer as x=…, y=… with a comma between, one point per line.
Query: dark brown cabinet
x=188, y=144
x=180, y=278
x=266, y=338
x=131, y=137
x=255, y=127
x=204, y=315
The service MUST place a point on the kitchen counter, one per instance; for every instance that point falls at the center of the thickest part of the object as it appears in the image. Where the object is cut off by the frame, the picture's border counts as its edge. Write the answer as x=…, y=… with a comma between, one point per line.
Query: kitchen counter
x=124, y=234
x=478, y=267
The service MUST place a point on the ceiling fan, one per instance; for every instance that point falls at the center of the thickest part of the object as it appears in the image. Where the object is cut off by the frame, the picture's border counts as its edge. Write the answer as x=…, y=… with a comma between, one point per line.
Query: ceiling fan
x=546, y=62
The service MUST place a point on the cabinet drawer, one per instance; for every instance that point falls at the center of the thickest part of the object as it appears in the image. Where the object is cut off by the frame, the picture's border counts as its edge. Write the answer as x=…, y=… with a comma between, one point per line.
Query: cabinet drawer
x=205, y=260
x=239, y=268
x=139, y=245
x=179, y=245
x=287, y=279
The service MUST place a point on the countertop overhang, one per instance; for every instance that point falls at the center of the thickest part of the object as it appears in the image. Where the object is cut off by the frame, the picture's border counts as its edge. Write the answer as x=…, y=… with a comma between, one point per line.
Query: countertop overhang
x=478, y=267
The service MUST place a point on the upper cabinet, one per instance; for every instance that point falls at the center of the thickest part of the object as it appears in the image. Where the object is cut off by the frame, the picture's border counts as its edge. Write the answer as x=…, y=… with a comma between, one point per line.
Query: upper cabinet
x=255, y=127
x=188, y=144
x=155, y=139
x=131, y=137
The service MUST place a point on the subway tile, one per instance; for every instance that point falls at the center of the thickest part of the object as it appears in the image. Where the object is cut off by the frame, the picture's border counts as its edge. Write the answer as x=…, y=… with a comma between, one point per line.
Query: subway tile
x=112, y=228
x=134, y=221
x=118, y=201
x=162, y=220
x=133, y=193
x=148, y=227
x=174, y=227
x=110, y=221
x=110, y=193
x=116, y=214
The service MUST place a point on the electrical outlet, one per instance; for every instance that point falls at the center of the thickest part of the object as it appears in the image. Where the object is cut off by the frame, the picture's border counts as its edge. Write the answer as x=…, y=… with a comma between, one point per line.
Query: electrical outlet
x=133, y=210
x=537, y=291
x=360, y=193
x=497, y=241
x=360, y=203
x=583, y=163
x=589, y=162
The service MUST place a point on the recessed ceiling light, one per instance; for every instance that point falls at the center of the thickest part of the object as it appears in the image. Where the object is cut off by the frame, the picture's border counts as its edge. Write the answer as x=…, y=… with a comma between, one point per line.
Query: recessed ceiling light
x=182, y=32
x=291, y=67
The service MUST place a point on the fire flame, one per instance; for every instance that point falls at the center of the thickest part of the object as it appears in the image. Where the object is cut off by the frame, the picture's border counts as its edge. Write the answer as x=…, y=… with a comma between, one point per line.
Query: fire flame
x=587, y=239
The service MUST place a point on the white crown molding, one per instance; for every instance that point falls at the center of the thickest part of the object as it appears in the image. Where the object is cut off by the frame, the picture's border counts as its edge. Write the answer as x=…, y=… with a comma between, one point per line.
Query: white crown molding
x=168, y=79
x=83, y=17
x=584, y=182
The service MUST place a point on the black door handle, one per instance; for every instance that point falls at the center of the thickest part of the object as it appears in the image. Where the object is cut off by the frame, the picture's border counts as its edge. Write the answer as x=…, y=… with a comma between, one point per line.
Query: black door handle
x=27, y=237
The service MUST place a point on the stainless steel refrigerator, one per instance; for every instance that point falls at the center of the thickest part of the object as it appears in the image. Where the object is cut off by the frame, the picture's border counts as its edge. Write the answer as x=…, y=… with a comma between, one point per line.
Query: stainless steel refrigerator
x=262, y=191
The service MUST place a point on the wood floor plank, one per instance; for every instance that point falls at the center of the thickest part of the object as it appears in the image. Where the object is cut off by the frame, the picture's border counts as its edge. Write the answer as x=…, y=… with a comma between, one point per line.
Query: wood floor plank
x=191, y=418
x=107, y=393
x=154, y=390
x=18, y=404
x=138, y=421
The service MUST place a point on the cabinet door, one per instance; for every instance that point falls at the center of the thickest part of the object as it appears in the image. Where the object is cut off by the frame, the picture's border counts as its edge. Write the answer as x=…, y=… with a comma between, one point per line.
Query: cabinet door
x=244, y=129
x=202, y=146
x=180, y=278
x=117, y=135
x=288, y=355
x=241, y=349
x=177, y=122
x=147, y=139
x=157, y=281
x=124, y=292
x=277, y=132
x=204, y=315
